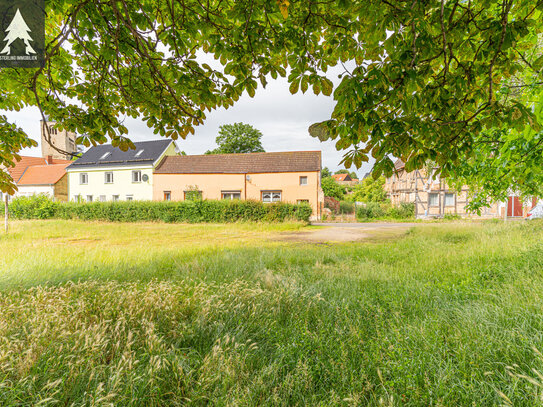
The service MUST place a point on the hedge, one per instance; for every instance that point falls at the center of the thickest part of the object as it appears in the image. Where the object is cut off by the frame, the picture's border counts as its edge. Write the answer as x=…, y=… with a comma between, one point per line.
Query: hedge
x=374, y=210
x=41, y=207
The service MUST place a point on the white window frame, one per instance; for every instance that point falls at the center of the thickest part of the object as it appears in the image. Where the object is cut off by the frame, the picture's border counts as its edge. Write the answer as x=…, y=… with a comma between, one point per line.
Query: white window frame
x=451, y=196
x=102, y=198
x=230, y=195
x=105, y=177
x=136, y=176
x=129, y=197
x=430, y=195
x=169, y=195
x=89, y=198
x=84, y=175
x=105, y=155
x=115, y=198
x=301, y=201
x=272, y=196
x=303, y=177
x=140, y=152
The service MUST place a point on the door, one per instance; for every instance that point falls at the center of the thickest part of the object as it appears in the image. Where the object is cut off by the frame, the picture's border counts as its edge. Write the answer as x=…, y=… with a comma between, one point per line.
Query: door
x=514, y=206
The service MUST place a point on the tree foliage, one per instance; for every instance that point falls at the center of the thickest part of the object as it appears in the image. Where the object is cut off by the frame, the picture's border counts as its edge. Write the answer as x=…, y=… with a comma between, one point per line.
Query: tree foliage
x=332, y=189
x=369, y=190
x=238, y=138
x=428, y=81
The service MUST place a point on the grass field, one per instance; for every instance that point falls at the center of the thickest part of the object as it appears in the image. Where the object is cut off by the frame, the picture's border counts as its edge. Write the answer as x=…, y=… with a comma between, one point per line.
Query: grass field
x=154, y=314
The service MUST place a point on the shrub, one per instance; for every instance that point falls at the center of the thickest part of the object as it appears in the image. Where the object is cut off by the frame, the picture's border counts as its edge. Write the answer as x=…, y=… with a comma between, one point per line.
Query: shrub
x=346, y=208
x=42, y=207
x=374, y=210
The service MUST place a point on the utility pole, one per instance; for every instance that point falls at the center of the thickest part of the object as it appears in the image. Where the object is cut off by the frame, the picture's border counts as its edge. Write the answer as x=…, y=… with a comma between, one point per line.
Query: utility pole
x=6, y=213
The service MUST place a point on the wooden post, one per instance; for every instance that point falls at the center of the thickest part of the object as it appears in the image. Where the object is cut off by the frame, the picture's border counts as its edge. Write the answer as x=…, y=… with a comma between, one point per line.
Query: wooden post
x=6, y=213
x=506, y=209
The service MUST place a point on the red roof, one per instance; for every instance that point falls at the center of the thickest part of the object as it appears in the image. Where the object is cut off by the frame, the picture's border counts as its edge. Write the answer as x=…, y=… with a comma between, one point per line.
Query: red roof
x=342, y=177
x=287, y=161
x=17, y=171
x=43, y=174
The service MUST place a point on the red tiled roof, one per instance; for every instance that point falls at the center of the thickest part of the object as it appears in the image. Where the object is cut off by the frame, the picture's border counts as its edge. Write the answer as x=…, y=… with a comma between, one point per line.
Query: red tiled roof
x=289, y=161
x=342, y=177
x=43, y=174
x=26, y=161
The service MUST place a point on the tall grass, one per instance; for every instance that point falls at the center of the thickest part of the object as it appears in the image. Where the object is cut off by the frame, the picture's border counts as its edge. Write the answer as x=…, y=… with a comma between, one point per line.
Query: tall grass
x=150, y=314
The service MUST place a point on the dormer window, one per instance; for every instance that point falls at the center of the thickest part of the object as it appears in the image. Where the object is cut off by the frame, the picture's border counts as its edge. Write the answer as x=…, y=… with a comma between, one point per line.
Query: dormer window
x=105, y=156
x=139, y=153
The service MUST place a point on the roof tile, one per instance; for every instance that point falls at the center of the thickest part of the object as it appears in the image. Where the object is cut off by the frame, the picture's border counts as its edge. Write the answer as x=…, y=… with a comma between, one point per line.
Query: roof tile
x=289, y=161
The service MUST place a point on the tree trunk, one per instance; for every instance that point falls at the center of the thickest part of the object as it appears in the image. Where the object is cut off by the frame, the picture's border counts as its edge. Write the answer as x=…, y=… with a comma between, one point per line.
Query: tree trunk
x=6, y=213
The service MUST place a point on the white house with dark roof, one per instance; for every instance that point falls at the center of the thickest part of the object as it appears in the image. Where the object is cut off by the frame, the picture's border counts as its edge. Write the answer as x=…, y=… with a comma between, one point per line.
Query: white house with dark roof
x=105, y=173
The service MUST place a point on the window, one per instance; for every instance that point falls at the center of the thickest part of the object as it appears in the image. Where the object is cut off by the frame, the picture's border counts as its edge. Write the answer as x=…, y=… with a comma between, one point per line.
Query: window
x=115, y=198
x=231, y=195
x=271, y=196
x=108, y=178
x=303, y=180
x=302, y=201
x=89, y=198
x=433, y=199
x=102, y=198
x=83, y=178
x=105, y=155
x=449, y=199
x=139, y=153
x=192, y=195
x=136, y=176
x=167, y=196
x=130, y=197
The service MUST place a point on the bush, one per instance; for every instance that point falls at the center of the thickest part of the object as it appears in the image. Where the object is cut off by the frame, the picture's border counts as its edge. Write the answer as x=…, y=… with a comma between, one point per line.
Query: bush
x=346, y=208
x=42, y=207
x=374, y=210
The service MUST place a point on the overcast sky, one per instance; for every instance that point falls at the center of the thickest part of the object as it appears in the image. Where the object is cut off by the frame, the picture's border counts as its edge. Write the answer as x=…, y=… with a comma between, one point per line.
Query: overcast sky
x=282, y=118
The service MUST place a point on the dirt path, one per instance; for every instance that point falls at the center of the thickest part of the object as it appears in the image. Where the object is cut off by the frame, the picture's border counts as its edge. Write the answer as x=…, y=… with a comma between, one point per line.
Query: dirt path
x=347, y=232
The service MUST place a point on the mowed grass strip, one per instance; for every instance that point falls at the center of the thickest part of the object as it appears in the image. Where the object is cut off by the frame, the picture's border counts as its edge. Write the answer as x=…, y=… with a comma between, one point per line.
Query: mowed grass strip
x=152, y=314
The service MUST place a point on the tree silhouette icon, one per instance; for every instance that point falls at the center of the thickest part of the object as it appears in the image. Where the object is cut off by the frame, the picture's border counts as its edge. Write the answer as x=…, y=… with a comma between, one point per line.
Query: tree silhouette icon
x=18, y=29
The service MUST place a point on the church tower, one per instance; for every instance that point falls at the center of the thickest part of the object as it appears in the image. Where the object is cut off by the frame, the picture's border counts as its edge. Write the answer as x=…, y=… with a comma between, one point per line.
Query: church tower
x=63, y=140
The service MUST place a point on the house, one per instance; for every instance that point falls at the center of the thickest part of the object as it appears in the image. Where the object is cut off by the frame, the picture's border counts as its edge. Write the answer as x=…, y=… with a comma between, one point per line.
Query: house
x=433, y=197
x=105, y=173
x=37, y=175
x=268, y=177
x=344, y=179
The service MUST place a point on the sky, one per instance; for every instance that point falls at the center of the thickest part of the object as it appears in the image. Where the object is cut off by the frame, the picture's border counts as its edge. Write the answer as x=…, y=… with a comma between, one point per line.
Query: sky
x=282, y=118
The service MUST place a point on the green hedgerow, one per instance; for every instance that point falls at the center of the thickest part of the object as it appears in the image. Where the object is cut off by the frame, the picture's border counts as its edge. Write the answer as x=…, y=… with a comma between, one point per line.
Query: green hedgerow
x=42, y=207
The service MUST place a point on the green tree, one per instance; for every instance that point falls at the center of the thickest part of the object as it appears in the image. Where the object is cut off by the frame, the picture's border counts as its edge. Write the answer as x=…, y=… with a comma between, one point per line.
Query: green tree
x=431, y=79
x=332, y=189
x=369, y=190
x=325, y=172
x=238, y=138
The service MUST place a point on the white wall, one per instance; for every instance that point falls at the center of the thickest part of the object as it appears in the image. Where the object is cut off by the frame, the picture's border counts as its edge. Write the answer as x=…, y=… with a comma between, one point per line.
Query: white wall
x=34, y=190
x=122, y=184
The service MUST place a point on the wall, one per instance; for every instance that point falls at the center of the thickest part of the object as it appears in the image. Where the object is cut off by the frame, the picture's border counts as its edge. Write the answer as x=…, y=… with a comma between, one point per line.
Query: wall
x=29, y=190
x=212, y=185
x=61, y=189
x=416, y=187
x=63, y=140
x=122, y=184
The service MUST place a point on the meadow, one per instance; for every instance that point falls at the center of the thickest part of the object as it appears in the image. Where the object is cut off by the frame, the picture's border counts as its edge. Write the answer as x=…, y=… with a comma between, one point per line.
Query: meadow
x=171, y=314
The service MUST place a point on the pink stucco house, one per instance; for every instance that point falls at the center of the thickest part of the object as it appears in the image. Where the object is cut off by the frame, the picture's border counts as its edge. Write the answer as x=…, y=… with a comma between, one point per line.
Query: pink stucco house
x=292, y=176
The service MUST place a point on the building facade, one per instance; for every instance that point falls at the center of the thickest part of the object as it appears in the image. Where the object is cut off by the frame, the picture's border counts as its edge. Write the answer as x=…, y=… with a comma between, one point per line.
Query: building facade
x=433, y=197
x=105, y=173
x=292, y=177
x=61, y=139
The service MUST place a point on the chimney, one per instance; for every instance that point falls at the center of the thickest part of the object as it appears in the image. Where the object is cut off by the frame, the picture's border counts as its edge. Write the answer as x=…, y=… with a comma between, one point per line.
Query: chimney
x=49, y=159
